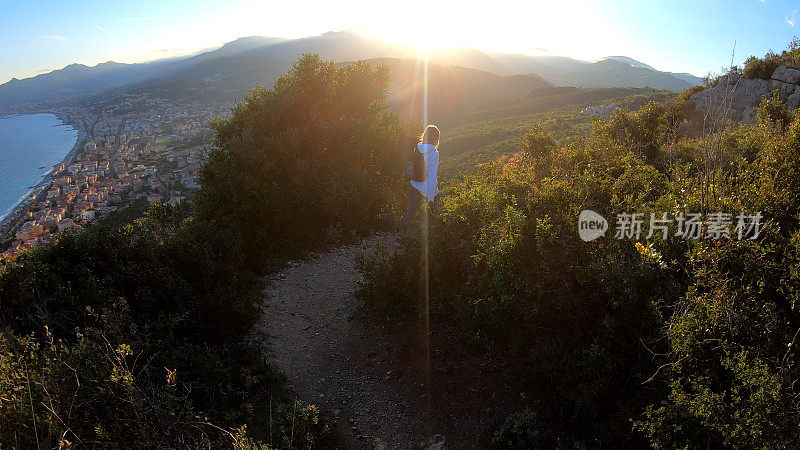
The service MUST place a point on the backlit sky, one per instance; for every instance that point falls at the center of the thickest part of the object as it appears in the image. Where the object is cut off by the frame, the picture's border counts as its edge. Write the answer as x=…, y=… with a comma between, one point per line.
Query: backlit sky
x=695, y=36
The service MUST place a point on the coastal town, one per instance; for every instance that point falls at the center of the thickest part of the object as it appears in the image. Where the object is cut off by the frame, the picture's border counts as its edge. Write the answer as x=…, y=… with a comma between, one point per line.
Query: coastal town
x=131, y=151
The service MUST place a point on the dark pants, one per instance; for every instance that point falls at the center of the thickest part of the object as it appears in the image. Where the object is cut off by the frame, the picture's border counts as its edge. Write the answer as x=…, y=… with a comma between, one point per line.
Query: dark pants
x=415, y=199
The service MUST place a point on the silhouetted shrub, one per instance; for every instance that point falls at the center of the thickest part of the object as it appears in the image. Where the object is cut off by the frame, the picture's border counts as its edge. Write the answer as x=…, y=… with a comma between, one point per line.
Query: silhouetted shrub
x=317, y=152
x=519, y=430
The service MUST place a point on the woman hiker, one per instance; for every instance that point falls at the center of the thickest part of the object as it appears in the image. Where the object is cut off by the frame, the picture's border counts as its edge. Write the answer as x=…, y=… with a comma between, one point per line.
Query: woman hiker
x=423, y=185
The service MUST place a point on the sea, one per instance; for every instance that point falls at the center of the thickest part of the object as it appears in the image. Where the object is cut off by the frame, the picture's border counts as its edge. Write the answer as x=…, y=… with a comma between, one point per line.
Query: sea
x=30, y=145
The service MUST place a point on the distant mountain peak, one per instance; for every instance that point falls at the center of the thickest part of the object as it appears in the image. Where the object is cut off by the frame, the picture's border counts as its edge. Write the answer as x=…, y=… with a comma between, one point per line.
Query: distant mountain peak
x=246, y=43
x=253, y=39
x=628, y=60
x=340, y=32
x=245, y=38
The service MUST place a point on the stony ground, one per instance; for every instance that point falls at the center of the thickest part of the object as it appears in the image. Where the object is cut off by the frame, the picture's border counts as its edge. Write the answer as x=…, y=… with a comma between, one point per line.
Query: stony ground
x=373, y=379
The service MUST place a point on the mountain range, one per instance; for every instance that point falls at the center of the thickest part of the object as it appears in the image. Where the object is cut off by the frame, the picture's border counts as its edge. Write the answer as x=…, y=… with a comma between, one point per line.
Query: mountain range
x=238, y=65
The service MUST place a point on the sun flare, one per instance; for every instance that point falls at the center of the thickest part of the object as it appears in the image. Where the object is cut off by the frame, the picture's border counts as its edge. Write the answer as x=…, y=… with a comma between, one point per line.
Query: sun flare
x=570, y=27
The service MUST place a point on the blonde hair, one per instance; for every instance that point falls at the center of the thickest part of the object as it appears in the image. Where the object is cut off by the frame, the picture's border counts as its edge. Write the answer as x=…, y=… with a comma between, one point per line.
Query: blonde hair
x=430, y=136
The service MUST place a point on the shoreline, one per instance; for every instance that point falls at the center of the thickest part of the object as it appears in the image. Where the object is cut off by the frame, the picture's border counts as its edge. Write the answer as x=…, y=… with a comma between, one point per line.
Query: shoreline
x=47, y=179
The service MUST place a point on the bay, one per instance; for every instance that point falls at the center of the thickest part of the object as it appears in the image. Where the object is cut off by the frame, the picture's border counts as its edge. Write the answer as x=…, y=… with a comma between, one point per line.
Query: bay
x=30, y=145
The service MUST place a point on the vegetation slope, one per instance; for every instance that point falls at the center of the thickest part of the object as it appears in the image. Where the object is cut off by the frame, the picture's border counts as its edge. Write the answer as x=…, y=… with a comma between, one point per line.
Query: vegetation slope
x=141, y=336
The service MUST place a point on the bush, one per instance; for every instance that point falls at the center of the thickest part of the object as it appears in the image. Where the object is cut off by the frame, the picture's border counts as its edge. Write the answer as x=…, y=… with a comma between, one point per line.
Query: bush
x=732, y=363
x=510, y=275
x=314, y=159
x=539, y=144
x=764, y=67
x=771, y=112
x=761, y=67
x=519, y=430
x=644, y=132
x=136, y=337
x=143, y=335
x=671, y=343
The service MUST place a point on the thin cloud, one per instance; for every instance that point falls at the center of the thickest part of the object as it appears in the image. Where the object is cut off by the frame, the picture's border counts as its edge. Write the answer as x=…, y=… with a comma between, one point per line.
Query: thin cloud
x=55, y=37
x=793, y=20
x=102, y=29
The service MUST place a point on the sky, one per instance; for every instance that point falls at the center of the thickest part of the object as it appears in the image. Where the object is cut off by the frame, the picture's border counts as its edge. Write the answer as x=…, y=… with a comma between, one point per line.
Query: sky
x=695, y=36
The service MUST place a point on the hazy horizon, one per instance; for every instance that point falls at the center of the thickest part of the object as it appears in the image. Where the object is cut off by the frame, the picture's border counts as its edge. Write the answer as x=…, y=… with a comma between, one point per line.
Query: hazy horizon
x=189, y=54
x=45, y=37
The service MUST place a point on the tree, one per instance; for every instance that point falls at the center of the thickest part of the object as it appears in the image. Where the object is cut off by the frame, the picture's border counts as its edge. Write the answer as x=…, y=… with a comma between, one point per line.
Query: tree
x=313, y=159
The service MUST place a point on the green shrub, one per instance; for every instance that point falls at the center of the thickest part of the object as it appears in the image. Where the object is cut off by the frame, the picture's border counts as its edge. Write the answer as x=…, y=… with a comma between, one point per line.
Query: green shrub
x=539, y=144
x=519, y=430
x=509, y=275
x=761, y=67
x=136, y=337
x=732, y=362
x=143, y=335
x=670, y=343
x=764, y=67
x=771, y=112
x=314, y=159
x=644, y=132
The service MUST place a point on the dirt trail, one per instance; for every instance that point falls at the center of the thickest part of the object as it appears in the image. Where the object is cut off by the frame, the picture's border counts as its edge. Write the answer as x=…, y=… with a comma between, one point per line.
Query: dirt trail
x=368, y=378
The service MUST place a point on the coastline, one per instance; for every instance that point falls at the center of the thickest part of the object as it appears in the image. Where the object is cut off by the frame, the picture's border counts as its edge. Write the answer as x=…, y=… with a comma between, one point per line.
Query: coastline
x=37, y=190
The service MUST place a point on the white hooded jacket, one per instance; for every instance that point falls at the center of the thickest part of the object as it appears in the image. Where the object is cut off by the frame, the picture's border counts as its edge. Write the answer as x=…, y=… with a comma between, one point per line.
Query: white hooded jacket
x=430, y=187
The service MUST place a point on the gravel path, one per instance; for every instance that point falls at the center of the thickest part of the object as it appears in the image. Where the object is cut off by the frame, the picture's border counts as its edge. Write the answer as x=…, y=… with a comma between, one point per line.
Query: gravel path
x=369, y=378
x=319, y=344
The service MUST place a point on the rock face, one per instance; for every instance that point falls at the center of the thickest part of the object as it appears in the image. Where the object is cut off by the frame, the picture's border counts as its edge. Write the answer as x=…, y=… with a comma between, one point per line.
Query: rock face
x=599, y=110
x=737, y=97
x=787, y=75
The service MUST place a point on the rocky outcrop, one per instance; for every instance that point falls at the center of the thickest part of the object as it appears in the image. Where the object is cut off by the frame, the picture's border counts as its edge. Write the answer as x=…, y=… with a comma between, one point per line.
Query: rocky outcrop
x=736, y=97
x=787, y=75
x=599, y=110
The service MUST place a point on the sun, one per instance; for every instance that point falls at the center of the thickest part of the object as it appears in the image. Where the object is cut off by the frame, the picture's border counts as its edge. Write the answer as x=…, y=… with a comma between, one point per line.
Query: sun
x=575, y=27
x=423, y=25
x=417, y=37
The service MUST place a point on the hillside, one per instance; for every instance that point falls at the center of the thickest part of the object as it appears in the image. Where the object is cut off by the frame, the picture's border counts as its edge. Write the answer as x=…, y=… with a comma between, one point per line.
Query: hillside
x=612, y=71
x=631, y=341
x=75, y=79
x=599, y=73
x=491, y=323
x=451, y=90
x=497, y=129
x=261, y=59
